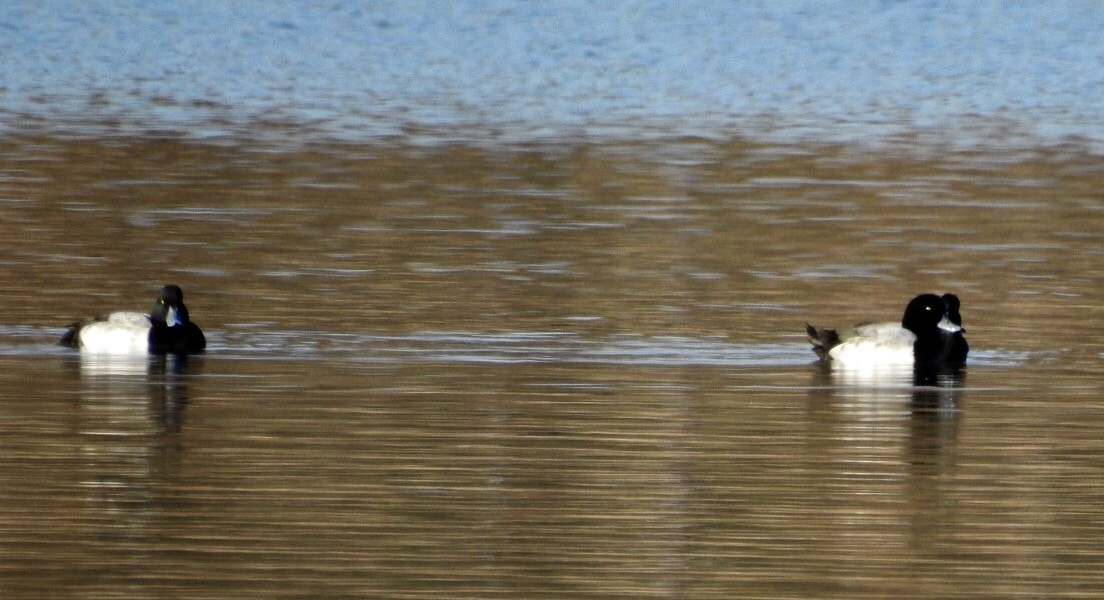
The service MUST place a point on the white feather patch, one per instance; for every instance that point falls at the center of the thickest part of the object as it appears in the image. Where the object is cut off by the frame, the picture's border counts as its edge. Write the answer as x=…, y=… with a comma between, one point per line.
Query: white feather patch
x=947, y=325
x=875, y=345
x=120, y=333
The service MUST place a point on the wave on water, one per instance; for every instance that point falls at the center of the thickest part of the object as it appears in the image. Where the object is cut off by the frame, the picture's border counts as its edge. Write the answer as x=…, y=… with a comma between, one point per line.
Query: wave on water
x=499, y=69
x=485, y=348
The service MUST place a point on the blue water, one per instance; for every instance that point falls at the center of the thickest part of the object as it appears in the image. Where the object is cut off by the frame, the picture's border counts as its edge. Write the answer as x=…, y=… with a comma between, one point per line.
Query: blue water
x=963, y=72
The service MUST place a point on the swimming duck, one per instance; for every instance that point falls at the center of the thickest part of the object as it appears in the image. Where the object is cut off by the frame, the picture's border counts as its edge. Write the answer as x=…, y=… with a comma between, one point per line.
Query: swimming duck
x=165, y=330
x=929, y=333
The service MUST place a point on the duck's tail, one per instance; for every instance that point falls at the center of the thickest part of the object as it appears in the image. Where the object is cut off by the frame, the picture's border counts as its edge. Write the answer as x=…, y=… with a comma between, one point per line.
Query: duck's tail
x=70, y=337
x=822, y=339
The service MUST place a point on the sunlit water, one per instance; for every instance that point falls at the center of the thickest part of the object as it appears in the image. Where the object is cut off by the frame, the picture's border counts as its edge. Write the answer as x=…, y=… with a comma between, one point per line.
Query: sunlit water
x=574, y=370
x=992, y=72
x=531, y=326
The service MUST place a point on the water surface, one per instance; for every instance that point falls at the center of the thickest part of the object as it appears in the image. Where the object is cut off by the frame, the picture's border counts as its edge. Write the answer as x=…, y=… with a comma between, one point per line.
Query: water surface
x=991, y=72
x=507, y=300
x=547, y=370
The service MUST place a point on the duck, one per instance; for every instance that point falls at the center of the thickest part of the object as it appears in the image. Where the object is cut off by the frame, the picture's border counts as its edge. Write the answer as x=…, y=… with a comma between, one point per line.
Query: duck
x=166, y=329
x=930, y=333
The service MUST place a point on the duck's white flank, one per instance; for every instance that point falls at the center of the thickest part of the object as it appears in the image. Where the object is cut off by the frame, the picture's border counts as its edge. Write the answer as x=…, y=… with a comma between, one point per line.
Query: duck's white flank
x=877, y=344
x=120, y=333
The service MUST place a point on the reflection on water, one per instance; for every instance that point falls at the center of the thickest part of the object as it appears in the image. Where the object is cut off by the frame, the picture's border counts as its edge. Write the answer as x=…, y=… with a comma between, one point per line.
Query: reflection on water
x=927, y=387
x=160, y=382
x=923, y=404
x=129, y=410
x=572, y=370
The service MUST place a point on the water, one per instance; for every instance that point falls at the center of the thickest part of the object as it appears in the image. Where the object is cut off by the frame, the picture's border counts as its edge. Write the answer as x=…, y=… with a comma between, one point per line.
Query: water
x=562, y=371
x=554, y=354
x=992, y=72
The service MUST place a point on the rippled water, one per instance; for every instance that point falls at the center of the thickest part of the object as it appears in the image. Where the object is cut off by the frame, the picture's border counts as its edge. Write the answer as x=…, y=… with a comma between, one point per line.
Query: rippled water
x=992, y=72
x=567, y=370
x=507, y=300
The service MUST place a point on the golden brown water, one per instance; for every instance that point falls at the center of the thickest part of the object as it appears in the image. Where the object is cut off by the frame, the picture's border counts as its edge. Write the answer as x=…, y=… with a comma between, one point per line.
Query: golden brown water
x=564, y=370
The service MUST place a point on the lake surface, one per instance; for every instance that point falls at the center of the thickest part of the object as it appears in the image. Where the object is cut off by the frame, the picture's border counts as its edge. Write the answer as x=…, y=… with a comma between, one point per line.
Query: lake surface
x=571, y=370
x=991, y=72
x=528, y=322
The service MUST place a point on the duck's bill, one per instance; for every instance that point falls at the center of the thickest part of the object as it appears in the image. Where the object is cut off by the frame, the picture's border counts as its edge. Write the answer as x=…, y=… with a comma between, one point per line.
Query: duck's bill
x=949, y=326
x=172, y=317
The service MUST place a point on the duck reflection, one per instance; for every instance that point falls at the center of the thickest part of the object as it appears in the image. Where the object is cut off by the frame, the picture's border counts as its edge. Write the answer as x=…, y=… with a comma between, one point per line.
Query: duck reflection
x=130, y=411
x=928, y=396
x=158, y=383
x=927, y=388
x=918, y=406
x=891, y=434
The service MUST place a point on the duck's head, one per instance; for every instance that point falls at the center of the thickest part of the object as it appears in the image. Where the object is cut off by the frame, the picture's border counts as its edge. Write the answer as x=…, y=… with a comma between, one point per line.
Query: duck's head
x=169, y=308
x=928, y=312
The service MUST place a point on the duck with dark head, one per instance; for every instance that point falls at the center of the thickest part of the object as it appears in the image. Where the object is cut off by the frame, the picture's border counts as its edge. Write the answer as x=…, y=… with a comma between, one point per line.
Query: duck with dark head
x=166, y=329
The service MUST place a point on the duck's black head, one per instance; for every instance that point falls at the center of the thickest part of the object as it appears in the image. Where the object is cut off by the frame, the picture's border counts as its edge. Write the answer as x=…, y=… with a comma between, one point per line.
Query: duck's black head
x=172, y=331
x=937, y=323
x=923, y=314
x=169, y=308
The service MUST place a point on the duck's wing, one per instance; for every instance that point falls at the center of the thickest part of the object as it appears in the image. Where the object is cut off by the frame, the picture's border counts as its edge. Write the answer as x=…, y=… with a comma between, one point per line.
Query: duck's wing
x=888, y=332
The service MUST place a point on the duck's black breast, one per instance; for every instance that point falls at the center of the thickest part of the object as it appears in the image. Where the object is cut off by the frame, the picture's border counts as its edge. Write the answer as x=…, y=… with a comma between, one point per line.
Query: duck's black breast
x=941, y=347
x=186, y=338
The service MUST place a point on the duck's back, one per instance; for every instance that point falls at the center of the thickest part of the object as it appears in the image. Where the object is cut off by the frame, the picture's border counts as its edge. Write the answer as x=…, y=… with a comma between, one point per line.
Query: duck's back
x=888, y=331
